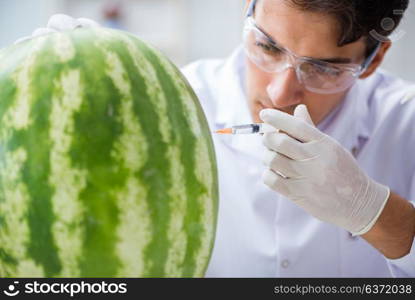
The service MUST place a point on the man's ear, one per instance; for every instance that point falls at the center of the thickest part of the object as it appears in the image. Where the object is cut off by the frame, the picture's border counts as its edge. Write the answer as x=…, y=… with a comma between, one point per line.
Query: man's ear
x=377, y=60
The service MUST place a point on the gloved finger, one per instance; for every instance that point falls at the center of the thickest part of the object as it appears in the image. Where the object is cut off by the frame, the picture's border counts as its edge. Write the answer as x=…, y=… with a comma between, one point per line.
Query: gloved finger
x=22, y=39
x=42, y=31
x=281, y=164
x=288, y=187
x=286, y=145
x=61, y=22
x=37, y=32
x=88, y=23
x=294, y=126
x=302, y=113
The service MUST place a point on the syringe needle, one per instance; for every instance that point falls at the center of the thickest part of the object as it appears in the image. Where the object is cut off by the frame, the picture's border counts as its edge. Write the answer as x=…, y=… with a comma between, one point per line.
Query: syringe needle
x=224, y=131
x=247, y=129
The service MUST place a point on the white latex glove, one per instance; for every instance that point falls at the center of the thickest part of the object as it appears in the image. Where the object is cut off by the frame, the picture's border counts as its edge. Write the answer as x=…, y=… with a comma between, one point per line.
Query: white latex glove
x=58, y=23
x=319, y=175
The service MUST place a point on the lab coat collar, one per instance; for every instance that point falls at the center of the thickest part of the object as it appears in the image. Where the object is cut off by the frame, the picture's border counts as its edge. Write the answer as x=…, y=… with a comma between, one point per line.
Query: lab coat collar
x=346, y=122
x=350, y=123
x=233, y=108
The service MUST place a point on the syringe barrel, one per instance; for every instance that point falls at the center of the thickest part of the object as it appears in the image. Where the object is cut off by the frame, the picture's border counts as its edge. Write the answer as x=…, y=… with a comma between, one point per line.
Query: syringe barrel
x=245, y=129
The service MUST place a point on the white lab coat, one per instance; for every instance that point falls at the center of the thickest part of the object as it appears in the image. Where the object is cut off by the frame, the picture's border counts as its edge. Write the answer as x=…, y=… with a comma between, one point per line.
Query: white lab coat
x=262, y=234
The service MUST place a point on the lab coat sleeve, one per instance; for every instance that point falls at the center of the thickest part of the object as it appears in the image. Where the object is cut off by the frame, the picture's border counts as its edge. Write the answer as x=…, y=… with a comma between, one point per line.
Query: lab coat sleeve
x=405, y=266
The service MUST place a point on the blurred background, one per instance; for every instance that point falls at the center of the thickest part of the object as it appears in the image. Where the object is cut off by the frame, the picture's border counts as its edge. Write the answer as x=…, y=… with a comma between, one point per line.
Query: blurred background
x=185, y=30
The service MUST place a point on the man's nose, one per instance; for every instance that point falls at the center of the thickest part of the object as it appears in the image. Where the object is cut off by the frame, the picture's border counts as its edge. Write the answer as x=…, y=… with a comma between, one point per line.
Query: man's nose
x=284, y=89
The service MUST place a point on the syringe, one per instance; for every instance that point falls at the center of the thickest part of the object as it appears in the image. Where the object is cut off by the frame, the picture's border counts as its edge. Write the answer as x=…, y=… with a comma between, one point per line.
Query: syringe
x=247, y=129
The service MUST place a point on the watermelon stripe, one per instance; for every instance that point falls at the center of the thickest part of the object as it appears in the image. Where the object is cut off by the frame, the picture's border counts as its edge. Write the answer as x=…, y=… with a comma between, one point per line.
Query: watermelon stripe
x=155, y=171
x=14, y=211
x=205, y=161
x=19, y=119
x=187, y=141
x=131, y=153
x=67, y=181
x=8, y=90
x=18, y=199
x=205, y=169
x=63, y=47
x=91, y=146
x=35, y=139
x=176, y=228
x=177, y=193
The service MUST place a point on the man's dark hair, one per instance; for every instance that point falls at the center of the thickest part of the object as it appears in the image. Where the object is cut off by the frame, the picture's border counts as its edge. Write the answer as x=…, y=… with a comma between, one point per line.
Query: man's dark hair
x=371, y=19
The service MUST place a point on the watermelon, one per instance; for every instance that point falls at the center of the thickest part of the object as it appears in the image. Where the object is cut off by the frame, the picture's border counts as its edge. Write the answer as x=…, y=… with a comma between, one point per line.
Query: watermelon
x=107, y=165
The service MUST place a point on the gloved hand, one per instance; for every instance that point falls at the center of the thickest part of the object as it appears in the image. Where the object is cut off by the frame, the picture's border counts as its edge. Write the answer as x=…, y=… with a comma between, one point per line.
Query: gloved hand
x=319, y=175
x=60, y=22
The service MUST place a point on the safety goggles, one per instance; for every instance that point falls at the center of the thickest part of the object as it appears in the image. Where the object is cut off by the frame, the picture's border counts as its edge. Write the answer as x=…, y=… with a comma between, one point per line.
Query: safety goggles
x=315, y=75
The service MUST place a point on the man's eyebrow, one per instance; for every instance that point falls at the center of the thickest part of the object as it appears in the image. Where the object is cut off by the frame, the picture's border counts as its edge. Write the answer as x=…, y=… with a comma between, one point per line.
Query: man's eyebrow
x=332, y=60
x=335, y=60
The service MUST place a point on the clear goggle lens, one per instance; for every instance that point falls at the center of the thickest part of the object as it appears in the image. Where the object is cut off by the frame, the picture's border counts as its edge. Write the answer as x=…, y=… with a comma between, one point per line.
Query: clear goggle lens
x=318, y=77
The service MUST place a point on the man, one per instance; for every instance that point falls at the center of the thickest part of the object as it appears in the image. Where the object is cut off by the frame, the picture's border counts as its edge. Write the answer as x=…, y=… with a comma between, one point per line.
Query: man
x=334, y=198
x=299, y=52
x=311, y=52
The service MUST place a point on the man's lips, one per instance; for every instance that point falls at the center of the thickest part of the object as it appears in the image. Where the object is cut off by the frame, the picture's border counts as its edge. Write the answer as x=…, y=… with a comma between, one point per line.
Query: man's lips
x=262, y=106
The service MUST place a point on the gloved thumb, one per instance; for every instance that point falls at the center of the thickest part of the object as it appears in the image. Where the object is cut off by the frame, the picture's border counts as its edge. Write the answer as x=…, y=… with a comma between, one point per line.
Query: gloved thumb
x=302, y=113
x=61, y=22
